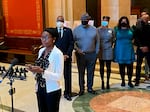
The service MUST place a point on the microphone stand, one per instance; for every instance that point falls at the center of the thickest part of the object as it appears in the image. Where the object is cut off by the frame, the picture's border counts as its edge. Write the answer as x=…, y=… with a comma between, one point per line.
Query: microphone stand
x=11, y=90
x=9, y=74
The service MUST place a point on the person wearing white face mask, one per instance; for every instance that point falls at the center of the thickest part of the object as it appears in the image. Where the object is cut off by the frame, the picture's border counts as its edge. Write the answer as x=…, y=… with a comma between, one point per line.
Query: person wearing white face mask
x=60, y=24
x=65, y=43
x=106, y=51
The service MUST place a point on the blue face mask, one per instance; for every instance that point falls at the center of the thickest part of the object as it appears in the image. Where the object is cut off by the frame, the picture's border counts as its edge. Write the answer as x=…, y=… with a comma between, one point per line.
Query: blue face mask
x=104, y=23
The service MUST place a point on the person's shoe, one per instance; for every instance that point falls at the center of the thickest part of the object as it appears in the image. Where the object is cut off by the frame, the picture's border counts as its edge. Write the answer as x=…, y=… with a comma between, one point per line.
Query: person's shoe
x=108, y=86
x=123, y=84
x=103, y=86
x=68, y=97
x=65, y=95
x=136, y=84
x=130, y=85
x=92, y=91
x=81, y=93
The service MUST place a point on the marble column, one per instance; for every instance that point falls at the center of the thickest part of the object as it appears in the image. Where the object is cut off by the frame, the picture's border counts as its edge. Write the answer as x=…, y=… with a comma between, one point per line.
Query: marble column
x=53, y=8
x=115, y=9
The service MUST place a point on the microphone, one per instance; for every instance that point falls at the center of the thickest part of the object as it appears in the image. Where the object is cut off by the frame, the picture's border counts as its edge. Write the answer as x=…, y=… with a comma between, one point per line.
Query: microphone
x=13, y=63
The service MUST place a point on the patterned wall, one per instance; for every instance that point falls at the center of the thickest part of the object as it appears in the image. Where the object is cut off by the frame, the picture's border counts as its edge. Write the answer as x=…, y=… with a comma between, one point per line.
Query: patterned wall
x=23, y=17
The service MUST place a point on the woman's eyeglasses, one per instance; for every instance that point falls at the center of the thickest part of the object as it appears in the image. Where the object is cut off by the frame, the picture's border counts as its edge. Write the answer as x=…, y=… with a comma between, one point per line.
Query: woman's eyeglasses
x=45, y=38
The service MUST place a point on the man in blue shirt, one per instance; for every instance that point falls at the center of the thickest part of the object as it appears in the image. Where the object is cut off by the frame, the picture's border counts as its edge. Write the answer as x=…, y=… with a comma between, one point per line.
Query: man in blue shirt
x=87, y=48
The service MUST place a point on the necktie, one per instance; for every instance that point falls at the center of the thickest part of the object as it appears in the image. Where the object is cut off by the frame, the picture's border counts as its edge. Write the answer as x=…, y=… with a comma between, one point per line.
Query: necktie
x=59, y=32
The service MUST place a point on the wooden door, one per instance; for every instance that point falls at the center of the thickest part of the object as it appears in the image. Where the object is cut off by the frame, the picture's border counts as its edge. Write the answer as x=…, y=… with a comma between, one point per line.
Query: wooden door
x=93, y=7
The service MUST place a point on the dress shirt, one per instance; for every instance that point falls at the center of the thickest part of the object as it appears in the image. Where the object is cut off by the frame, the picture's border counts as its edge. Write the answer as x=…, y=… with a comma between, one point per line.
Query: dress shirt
x=60, y=31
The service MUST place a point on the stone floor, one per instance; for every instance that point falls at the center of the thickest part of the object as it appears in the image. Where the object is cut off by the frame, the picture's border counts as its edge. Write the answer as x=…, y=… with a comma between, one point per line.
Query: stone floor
x=25, y=98
x=115, y=100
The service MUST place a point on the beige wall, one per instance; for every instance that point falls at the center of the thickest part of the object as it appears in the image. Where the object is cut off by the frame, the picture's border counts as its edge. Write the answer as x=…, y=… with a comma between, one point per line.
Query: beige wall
x=115, y=9
x=73, y=9
x=124, y=8
x=70, y=9
x=53, y=9
x=79, y=7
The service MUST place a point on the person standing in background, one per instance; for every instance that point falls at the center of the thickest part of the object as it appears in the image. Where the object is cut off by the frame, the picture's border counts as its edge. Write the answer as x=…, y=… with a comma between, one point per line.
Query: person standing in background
x=65, y=43
x=142, y=41
x=106, y=51
x=140, y=19
x=87, y=48
x=48, y=71
x=123, y=50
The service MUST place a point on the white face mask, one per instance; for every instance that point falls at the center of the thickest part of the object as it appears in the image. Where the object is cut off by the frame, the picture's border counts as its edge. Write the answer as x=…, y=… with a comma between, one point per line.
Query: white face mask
x=59, y=24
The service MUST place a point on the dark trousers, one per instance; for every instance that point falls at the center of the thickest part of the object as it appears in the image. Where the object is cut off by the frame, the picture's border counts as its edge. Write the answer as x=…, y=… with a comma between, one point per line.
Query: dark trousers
x=129, y=71
x=108, y=66
x=86, y=61
x=48, y=102
x=67, y=77
x=140, y=56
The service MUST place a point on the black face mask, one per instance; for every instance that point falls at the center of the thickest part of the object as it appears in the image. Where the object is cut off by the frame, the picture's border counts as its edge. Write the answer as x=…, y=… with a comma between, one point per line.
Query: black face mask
x=84, y=22
x=143, y=22
x=124, y=24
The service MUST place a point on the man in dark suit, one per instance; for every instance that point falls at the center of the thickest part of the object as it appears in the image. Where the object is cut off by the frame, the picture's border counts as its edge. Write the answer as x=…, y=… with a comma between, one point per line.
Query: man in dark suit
x=65, y=43
x=142, y=40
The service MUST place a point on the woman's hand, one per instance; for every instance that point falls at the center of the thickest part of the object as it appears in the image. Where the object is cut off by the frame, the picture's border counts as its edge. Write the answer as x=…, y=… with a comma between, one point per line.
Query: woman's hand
x=34, y=69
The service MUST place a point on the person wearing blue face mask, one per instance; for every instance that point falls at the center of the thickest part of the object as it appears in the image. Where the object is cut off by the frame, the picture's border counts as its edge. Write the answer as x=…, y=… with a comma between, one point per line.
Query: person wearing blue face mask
x=104, y=23
x=106, y=51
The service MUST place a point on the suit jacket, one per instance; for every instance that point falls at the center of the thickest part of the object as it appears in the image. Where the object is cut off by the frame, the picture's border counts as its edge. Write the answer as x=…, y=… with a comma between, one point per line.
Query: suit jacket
x=142, y=35
x=66, y=42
